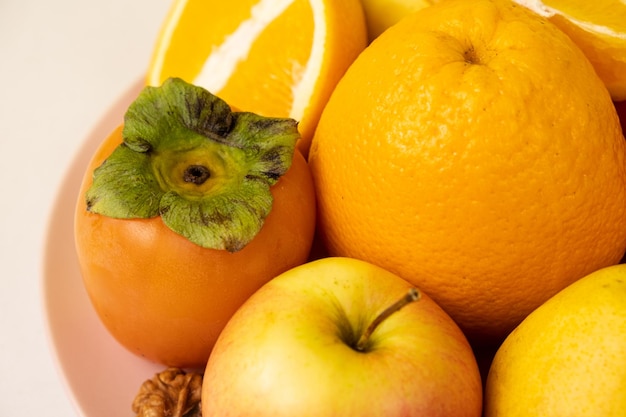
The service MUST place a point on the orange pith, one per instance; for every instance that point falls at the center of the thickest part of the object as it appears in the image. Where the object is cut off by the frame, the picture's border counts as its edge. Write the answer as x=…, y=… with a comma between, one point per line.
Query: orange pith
x=248, y=90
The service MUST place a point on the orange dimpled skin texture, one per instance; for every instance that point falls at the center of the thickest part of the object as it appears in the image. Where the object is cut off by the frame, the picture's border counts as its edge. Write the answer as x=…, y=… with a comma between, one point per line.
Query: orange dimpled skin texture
x=472, y=150
x=167, y=299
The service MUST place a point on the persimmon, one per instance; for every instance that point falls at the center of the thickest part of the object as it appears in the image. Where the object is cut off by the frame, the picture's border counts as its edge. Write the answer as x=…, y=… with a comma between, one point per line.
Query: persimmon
x=185, y=210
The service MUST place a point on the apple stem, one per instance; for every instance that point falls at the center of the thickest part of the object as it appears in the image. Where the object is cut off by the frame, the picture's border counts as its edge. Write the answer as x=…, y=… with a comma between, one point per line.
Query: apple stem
x=412, y=295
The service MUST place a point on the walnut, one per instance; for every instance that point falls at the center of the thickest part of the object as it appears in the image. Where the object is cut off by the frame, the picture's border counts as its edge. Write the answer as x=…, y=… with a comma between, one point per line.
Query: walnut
x=171, y=393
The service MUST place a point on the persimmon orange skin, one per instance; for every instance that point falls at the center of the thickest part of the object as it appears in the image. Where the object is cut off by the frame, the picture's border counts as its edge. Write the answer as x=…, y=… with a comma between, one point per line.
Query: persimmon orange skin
x=166, y=298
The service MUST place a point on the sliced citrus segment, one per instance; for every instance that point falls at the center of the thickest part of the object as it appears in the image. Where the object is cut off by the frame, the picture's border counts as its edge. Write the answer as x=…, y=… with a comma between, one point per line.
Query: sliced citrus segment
x=278, y=58
x=598, y=28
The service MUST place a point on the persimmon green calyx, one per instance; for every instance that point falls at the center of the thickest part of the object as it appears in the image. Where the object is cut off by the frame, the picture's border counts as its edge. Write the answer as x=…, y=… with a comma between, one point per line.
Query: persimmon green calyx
x=187, y=157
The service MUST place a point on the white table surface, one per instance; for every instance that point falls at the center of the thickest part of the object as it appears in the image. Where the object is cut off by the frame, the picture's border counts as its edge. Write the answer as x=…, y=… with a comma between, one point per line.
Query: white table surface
x=62, y=64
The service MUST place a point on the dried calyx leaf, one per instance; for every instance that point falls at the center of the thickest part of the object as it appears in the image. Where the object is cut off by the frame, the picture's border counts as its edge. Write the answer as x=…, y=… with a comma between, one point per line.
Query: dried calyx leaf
x=206, y=170
x=171, y=393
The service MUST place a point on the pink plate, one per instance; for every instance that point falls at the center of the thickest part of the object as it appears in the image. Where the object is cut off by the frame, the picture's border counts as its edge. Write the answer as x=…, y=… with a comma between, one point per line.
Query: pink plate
x=101, y=376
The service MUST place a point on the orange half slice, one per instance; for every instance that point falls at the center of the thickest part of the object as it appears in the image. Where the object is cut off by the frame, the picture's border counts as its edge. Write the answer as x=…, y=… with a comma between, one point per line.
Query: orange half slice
x=278, y=58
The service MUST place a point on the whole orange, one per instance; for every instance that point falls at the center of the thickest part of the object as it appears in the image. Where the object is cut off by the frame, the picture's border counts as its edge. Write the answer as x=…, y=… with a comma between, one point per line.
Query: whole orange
x=472, y=150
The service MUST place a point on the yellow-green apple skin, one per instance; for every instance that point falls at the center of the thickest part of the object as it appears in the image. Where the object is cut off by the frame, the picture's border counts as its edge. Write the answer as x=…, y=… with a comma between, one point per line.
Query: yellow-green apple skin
x=568, y=357
x=289, y=351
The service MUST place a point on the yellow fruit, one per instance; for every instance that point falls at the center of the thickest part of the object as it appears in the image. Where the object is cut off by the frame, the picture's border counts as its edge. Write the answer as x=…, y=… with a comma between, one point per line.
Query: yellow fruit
x=598, y=28
x=567, y=358
x=381, y=14
x=472, y=150
x=276, y=58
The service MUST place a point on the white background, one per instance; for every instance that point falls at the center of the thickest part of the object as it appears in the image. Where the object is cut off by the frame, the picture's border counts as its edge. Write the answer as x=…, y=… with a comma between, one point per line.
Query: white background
x=62, y=64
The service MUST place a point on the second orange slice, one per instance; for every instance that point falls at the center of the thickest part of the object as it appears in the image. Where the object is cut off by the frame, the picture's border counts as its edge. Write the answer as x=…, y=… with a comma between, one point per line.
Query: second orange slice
x=598, y=28
x=278, y=58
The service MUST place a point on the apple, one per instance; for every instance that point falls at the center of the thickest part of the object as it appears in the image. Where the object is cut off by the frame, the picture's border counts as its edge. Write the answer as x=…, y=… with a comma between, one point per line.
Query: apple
x=341, y=337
